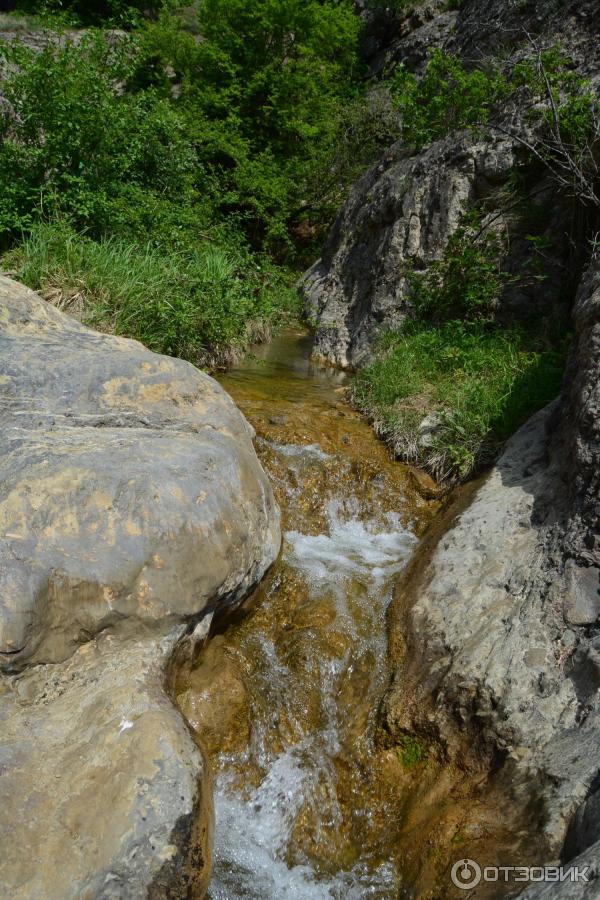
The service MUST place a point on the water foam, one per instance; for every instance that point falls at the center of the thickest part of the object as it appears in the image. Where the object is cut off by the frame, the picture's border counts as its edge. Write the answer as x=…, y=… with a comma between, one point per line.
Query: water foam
x=251, y=836
x=373, y=549
x=253, y=829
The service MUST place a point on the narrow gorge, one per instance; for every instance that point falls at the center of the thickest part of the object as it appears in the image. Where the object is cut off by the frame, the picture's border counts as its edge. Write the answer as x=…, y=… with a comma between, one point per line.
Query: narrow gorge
x=325, y=622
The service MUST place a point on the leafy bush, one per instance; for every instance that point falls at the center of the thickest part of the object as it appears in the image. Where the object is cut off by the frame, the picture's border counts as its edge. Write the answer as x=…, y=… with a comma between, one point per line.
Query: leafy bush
x=244, y=126
x=197, y=305
x=92, y=12
x=566, y=113
x=159, y=141
x=465, y=284
x=75, y=144
x=446, y=397
x=264, y=92
x=447, y=97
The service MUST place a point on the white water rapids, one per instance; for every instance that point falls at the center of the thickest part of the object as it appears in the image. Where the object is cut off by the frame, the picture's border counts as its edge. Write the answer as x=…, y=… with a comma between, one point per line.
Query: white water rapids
x=353, y=564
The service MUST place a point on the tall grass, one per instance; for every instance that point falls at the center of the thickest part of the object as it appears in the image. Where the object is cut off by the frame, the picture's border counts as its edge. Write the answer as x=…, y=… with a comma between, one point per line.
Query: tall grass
x=447, y=397
x=201, y=305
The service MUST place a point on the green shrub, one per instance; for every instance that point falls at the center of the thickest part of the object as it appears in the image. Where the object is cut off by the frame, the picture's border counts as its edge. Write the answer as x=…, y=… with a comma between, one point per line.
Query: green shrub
x=75, y=144
x=155, y=144
x=264, y=93
x=244, y=126
x=94, y=12
x=477, y=384
x=198, y=305
x=465, y=284
x=566, y=112
x=447, y=97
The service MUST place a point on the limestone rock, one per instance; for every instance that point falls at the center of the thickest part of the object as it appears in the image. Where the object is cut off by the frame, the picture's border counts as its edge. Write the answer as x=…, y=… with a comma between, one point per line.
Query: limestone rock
x=582, y=594
x=398, y=217
x=132, y=505
x=500, y=625
x=103, y=792
x=129, y=486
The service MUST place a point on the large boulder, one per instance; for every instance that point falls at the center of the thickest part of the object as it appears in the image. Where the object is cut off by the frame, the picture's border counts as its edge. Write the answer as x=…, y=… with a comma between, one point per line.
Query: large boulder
x=497, y=627
x=398, y=218
x=103, y=791
x=132, y=506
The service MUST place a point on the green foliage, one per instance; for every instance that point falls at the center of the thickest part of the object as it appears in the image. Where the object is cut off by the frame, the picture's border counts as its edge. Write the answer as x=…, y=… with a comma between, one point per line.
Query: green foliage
x=389, y=7
x=124, y=13
x=74, y=144
x=412, y=750
x=163, y=141
x=481, y=383
x=453, y=384
x=247, y=125
x=263, y=94
x=465, y=284
x=570, y=109
x=197, y=305
x=447, y=97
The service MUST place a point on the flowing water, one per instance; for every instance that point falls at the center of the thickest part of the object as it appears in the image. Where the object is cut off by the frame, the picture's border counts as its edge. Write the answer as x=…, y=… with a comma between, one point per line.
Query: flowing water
x=284, y=701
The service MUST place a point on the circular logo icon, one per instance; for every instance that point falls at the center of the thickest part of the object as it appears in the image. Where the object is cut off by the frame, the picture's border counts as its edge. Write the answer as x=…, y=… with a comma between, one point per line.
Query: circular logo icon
x=466, y=874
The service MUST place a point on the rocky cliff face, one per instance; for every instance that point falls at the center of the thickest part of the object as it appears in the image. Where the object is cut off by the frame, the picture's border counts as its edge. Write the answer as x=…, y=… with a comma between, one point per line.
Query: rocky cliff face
x=400, y=215
x=132, y=506
x=498, y=629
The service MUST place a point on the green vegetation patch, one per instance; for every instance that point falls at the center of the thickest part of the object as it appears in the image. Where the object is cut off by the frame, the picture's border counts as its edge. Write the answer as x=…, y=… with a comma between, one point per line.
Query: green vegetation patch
x=200, y=305
x=412, y=750
x=446, y=98
x=446, y=397
x=455, y=382
x=174, y=181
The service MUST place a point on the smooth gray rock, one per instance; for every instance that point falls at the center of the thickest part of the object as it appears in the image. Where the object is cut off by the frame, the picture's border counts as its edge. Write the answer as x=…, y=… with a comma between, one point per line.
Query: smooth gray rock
x=132, y=505
x=103, y=792
x=504, y=639
x=582, y=594
x=129, y=486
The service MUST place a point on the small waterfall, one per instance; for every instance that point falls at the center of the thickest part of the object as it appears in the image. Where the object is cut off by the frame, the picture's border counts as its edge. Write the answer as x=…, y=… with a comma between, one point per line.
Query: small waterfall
x=294, y=805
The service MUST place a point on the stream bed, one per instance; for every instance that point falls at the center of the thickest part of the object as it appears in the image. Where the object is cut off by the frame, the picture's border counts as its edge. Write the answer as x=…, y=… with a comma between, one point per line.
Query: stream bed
x=284, y=700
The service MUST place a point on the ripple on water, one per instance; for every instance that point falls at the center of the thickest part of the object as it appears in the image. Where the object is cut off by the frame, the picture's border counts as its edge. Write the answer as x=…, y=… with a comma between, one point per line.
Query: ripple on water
x=313, y=651
x=251, y=837
x=253, y=830
x=373, y=549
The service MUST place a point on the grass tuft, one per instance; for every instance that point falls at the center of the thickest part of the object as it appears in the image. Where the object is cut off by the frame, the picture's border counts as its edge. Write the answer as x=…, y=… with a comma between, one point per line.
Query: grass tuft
x=203, y=305
x=446, y=397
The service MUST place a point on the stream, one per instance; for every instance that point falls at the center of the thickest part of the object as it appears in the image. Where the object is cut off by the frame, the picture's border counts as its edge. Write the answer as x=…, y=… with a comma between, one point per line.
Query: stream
x=284, y=699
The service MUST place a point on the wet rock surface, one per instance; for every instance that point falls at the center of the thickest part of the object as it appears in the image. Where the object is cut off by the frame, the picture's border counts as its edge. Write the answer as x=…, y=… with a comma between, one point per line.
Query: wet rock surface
x=132, y=504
